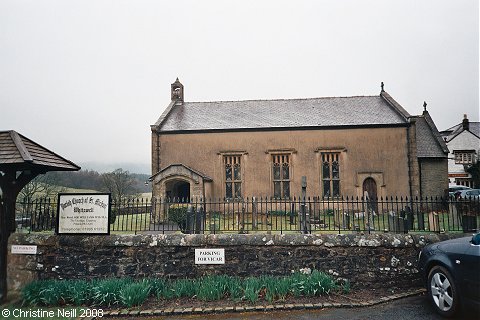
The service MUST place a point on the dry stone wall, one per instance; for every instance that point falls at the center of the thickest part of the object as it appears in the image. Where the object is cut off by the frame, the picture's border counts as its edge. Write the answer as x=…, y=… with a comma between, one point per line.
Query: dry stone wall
x=373, y=261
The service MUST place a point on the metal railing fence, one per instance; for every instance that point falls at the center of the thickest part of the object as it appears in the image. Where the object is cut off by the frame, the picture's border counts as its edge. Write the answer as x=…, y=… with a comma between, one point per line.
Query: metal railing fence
x=270, y=215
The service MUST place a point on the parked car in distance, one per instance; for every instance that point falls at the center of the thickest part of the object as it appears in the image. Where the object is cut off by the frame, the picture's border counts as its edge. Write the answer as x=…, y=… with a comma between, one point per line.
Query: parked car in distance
x=468, y=194
x=452, y=189
x=451, y=273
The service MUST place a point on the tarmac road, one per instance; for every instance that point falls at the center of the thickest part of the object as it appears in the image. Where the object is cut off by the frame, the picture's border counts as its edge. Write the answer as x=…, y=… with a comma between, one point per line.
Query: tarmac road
x=411, y=308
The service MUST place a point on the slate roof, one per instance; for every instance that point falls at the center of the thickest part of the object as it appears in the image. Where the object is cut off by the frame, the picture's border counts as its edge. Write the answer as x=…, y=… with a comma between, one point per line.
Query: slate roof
x=379, y=110
x=22, y=153
x=429, y=142
x=473, y=127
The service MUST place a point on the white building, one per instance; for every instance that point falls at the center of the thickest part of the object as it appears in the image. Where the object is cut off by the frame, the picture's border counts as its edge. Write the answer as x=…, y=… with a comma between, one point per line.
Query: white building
x=463, y=142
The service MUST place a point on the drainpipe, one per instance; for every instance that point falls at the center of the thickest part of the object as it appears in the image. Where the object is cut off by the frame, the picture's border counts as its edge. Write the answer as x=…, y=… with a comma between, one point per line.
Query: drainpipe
x=410, y=163
x=420, y=177
x=158, y=153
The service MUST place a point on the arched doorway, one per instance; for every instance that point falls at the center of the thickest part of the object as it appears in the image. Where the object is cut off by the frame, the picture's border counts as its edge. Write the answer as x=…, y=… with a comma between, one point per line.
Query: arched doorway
x=178, y=189
x=370, y=186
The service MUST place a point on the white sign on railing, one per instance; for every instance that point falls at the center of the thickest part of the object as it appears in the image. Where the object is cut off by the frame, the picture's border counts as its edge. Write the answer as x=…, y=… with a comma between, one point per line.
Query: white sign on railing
x=209, y=256
x=85, y=213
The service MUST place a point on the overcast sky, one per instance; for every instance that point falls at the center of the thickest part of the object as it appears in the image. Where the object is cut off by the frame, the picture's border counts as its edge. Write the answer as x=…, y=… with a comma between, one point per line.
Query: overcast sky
x=86, y=79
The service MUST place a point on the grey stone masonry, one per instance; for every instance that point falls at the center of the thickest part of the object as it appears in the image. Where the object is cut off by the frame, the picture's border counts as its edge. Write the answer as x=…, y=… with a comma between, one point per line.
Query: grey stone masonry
x=374, y=260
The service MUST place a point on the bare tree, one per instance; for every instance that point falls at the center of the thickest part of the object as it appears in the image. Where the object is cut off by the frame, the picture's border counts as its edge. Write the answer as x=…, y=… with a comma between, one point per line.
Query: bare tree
x=120, y=183
x=44, y=186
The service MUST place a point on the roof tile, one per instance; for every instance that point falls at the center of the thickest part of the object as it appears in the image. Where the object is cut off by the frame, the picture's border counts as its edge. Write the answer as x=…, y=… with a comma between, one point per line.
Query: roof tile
x=261, y=114
x=14, y=148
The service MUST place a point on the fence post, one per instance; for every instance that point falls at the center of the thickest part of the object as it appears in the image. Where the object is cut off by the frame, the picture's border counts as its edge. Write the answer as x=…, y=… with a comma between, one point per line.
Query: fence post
x=420, y=215
x=199, y=220
x=369, y=212
x=190, y=220
x=254, y=213
x=304, y=220
x=292, y=212
x=242, y=222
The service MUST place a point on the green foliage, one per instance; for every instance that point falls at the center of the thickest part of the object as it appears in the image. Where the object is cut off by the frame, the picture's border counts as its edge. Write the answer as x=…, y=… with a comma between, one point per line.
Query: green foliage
x=234, y=288
x=282, y=288
x=166, y=292
x=329, y=212
x=129, y=293
x=184, y=288
x=54, y=293
x=474, y=170
x=252, y=287
x=178, y=213
x=214, y=218
x=107, y=292
x=78, y=292
x=31, y=293
x=270, y=284
x=157, y=286
x=280, y=213
x=346, y=286
x=134, y=294
x=314, y=284
x=276, y=288
x=212, y=288
x=215, y=215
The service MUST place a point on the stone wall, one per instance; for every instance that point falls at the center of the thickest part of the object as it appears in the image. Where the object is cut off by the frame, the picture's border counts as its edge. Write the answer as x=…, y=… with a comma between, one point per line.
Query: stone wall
x=375, y=260
x=385, y=155
x=434, y=173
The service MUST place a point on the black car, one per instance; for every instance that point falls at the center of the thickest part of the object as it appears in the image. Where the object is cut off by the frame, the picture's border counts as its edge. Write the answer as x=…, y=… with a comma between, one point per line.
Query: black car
x=451, y=271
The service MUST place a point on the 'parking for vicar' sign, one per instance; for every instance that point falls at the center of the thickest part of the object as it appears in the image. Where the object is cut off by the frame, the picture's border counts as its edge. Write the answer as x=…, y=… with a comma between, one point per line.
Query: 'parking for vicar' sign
x=209, y=256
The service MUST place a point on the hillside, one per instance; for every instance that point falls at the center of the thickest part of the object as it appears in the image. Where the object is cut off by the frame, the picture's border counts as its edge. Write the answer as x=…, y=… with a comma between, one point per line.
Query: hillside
x=93, y=180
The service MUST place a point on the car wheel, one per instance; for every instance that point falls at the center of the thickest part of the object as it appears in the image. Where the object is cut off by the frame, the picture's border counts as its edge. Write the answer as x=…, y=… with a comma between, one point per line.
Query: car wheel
x=442, y=291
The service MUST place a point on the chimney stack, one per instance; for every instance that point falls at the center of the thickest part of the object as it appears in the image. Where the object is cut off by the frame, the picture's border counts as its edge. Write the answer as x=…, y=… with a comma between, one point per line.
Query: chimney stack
x=465, y=123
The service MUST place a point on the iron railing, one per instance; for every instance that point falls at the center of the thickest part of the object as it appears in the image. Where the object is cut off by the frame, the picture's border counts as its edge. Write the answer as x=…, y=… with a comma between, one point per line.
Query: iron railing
x=270, y=215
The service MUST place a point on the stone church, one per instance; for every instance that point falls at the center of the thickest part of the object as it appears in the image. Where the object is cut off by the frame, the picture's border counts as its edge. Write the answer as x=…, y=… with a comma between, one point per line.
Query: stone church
x=344, y=146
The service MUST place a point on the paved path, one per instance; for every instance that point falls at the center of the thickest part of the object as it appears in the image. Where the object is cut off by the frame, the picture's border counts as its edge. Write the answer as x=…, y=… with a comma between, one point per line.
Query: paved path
x=410, y=305
x=410, y=308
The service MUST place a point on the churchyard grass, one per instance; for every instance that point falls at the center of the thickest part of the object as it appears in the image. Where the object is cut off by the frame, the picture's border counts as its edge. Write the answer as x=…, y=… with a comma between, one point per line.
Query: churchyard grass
x=283, y=222
x=128, y=223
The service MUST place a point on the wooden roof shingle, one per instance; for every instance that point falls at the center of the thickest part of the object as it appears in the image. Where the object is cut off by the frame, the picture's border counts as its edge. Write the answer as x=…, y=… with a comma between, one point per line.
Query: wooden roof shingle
x=20, y=152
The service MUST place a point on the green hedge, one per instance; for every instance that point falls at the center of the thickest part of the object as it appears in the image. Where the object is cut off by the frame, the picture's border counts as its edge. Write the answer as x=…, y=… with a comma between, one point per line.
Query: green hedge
x=178, y=213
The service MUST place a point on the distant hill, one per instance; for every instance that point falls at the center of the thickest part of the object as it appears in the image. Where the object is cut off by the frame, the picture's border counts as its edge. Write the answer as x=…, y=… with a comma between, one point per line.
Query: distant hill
x=141, y=168
x=92, y=179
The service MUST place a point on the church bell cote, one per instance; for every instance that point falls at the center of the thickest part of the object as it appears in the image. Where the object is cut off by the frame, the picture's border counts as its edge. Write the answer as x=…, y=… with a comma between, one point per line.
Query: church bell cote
x=177, y=91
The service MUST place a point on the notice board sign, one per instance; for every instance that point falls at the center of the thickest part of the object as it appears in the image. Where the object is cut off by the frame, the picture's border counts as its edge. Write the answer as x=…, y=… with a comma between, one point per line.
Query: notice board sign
x=83, y=213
